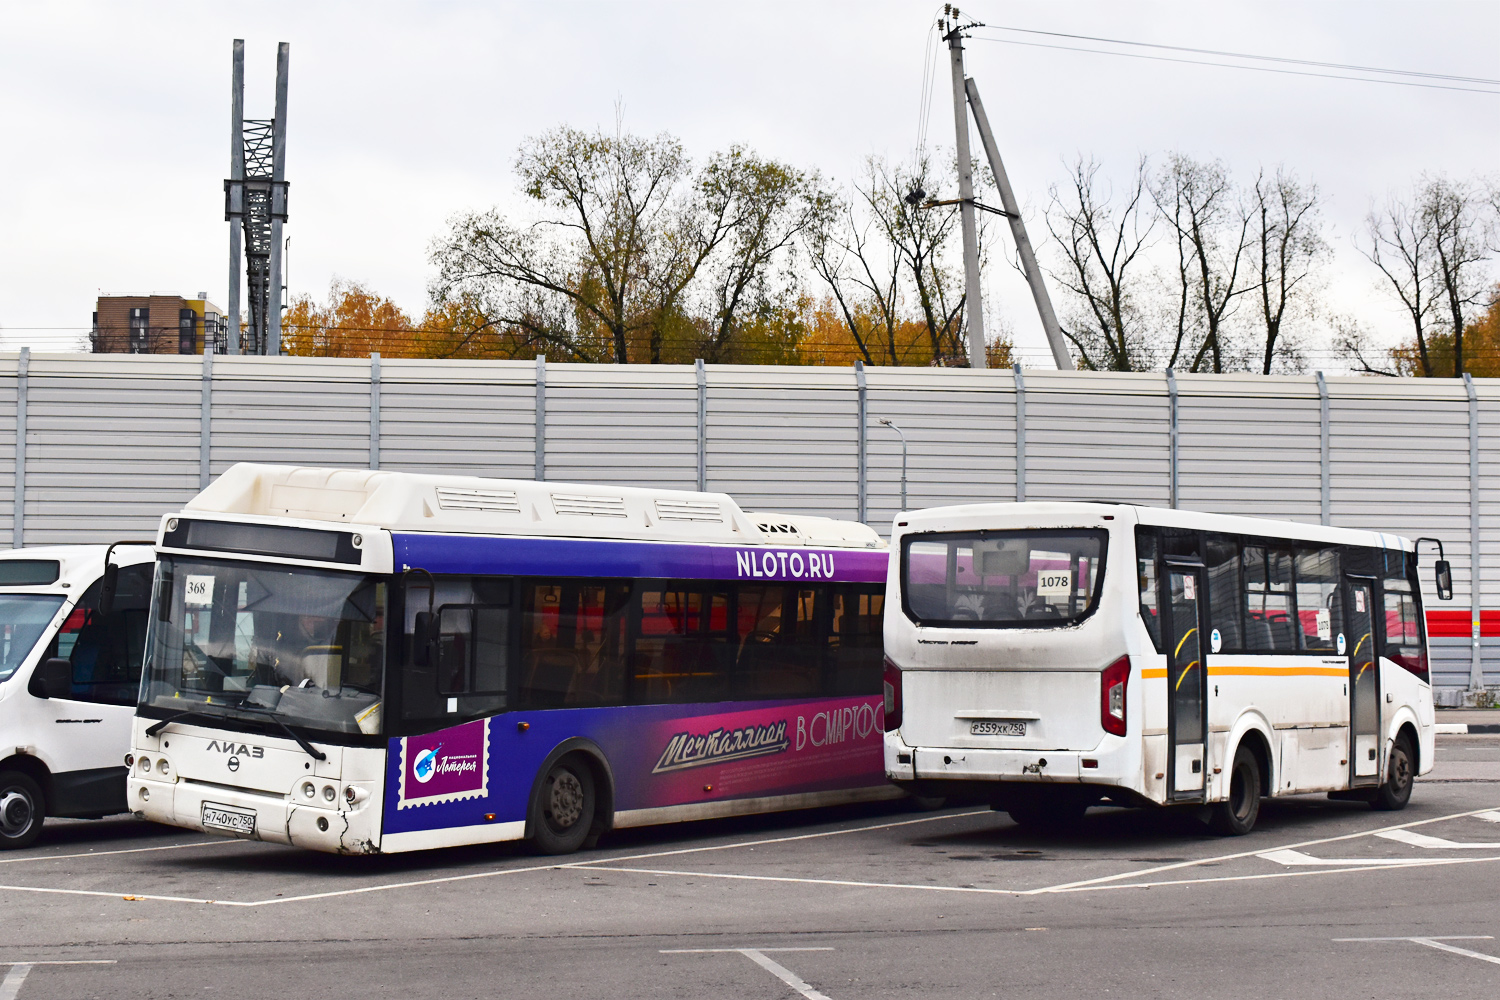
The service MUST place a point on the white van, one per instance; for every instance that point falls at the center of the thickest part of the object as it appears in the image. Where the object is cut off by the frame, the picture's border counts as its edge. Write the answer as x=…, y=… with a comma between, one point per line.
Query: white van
x=69, y=674
x=1050, y=656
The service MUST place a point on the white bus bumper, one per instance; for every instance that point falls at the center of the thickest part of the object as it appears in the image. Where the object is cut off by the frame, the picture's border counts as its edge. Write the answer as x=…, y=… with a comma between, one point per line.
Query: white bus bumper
x=1107, y=765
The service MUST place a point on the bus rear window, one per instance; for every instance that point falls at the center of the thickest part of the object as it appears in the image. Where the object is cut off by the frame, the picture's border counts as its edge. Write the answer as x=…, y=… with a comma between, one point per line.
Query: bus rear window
x=1002, y=578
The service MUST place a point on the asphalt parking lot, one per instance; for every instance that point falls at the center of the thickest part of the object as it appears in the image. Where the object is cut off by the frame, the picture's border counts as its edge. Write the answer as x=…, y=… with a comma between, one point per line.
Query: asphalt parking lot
x=1324, y=899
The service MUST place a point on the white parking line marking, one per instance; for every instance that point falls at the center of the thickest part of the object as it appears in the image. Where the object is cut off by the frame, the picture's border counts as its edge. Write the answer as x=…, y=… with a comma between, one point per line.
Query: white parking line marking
x=13, y=980
x=848, y=883
x=1432, y=843
x=11, y=985
x=1437, y=942
x=1490, y=817
x=105, y=854
x=1290, y=857
x=759, y=957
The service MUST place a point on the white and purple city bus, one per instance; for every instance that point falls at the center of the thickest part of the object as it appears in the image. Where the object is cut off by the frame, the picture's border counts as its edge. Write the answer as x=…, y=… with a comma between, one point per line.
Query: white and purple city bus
x=360, y=661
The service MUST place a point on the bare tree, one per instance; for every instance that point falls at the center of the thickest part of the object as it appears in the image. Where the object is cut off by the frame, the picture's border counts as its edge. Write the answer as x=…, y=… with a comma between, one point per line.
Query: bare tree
x=1289, y=248
x=1401, y=246
x=1199, y=201
x=1452, y=209
x=1102, y=244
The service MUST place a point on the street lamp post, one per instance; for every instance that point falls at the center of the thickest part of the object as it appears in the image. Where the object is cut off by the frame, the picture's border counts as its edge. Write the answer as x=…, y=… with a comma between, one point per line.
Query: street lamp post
x=898, y=430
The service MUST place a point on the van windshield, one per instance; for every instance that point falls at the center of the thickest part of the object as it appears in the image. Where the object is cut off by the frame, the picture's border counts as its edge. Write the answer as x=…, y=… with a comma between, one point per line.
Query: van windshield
x=1002, y=578
x=23, y=619
x=251, y=640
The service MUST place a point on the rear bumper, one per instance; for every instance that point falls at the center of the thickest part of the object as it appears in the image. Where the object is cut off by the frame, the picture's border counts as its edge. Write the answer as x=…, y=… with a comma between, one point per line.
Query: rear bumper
x=932, y=768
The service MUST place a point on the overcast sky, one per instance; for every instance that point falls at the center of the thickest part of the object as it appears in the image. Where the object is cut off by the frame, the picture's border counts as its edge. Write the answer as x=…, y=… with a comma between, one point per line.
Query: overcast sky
x=115, y=118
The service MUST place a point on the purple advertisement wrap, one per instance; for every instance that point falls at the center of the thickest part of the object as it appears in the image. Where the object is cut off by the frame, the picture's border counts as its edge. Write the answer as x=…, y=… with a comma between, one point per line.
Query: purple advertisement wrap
x=658, y=755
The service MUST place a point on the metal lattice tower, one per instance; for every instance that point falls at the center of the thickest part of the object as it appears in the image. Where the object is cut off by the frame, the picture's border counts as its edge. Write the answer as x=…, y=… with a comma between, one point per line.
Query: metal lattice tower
x=255, y=197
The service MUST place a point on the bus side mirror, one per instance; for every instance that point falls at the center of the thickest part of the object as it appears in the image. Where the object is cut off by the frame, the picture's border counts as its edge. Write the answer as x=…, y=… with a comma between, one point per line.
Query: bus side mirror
x=52, y=679
x=1444, y=579
x=108, y=584
x=424, y=639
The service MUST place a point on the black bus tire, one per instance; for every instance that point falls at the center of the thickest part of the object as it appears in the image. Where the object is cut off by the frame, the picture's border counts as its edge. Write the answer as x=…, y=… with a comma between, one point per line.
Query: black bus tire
x=562, y=813
x=1400, y=775
x=22, y=809
x=1236, y=816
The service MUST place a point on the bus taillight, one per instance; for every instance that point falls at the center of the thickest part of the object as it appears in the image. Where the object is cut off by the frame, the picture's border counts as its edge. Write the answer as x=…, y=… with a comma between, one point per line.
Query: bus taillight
x=892, y=696
x=1112, y=700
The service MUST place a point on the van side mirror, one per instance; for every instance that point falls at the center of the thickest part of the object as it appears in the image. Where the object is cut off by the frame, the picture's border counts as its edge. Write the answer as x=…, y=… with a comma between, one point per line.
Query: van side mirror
x=1444, y=579
x=108, y=584
x=424, y=639
x=52, y=679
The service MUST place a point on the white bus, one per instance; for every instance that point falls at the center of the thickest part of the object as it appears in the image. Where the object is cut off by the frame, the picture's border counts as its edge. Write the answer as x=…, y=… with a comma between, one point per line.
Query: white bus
x=357, y=661
x=70, y=666
x=1051, y=656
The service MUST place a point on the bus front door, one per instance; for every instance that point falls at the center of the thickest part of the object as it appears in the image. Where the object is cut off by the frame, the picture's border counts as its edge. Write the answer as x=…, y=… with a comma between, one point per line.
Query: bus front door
x=1364, y=683
x=1187, y=688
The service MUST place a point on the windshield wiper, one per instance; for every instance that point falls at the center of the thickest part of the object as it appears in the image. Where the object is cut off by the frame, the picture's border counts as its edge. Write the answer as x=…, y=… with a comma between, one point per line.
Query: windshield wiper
x=155, y=728
x=312, y=751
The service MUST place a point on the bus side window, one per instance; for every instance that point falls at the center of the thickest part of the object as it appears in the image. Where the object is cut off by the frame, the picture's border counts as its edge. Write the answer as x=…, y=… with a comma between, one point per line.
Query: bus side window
x=777, y=629
x=1145, y=561
x=574, y=636
x=1226, y=597
x=1403, y=617
x=1320, y=604
x=682, y=649
x=855, y=647
x=106, y=652
x=470, y=677
x=1268, y=602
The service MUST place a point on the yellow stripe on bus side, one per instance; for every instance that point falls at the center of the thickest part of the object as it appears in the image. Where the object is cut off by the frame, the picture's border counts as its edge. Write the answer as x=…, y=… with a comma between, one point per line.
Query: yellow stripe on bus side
x=1151, y=672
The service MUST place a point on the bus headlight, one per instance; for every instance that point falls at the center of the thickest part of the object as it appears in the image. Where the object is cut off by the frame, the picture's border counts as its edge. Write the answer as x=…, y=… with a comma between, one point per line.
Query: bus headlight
x=145, y=763
x=309, y=790
x=161, y=766
x=329, y=793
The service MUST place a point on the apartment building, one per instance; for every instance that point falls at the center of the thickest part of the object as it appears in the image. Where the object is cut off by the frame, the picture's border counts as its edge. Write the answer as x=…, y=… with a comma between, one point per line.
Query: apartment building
x=159, y=323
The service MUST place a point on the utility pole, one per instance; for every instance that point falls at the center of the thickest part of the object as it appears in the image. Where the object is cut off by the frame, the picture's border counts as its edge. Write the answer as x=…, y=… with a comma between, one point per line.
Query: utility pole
x=972, y=298
x=255, y=204
x=966, y=99
x=1018, y=233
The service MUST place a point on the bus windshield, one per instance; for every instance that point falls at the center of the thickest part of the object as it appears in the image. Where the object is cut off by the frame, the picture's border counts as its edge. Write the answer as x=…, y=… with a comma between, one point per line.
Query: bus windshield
x=1002, y=578
x=250, y=640
x=23, y=619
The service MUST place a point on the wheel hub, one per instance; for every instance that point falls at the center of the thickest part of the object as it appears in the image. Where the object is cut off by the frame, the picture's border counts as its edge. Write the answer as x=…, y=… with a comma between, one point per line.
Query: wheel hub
x=566, y=801
x=15, y=813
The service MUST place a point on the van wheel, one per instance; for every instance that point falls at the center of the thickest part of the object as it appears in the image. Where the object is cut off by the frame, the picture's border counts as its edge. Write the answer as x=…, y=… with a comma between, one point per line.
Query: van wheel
x=1236, y=816
x=563, y=810
x=1400, y=774
x=22, y=809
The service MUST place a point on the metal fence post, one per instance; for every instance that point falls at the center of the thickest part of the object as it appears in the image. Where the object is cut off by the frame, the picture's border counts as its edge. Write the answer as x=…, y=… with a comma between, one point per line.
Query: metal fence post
x=541, y=417
x=1172, y=437
x=1325, y=496
x=205, y=418
x=864, y=442
x=702, y=425
x=18, y=506
x=1020, y=434
x=1476, y=663
x=374, y=409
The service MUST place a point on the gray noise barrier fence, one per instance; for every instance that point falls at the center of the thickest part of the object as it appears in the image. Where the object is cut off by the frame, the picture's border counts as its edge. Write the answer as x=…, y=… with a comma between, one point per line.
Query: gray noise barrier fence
x=98, y=447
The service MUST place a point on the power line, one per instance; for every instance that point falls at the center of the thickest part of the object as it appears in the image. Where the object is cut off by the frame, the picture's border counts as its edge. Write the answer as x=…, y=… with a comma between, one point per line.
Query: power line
x=1226, y=65
x=1248, y=55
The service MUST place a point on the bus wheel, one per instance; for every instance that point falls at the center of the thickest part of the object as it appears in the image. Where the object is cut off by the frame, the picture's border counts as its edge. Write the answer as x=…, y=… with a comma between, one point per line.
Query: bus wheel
x=1236, y=816
x=21, y=810
x=563, y=811
x=1400, y=773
